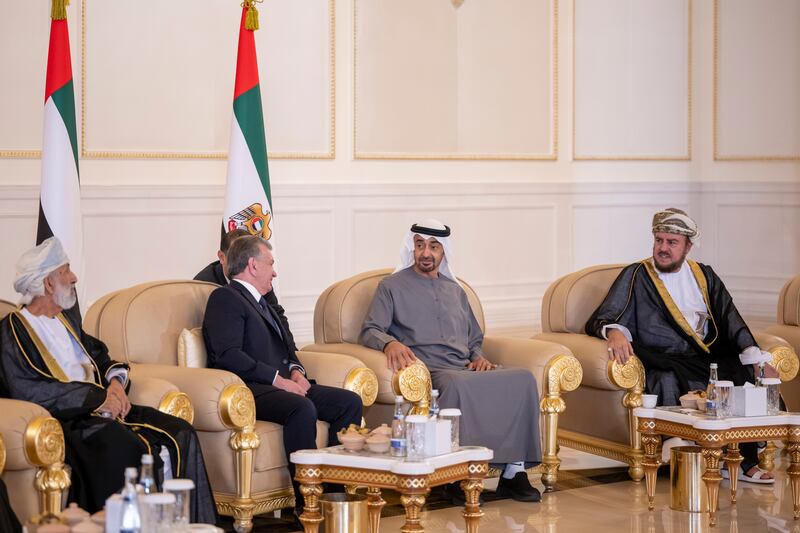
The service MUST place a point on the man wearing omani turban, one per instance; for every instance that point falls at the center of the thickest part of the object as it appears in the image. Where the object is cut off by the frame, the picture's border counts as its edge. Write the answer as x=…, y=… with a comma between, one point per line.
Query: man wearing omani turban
x=47, y=358
x=422, y=312
x=677, y=316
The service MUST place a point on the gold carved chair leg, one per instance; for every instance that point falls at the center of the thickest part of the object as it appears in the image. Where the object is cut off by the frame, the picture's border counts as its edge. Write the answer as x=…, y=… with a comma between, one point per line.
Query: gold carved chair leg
x=563, y=374
x=44, y=447
x=238, y=411
x=631, y=377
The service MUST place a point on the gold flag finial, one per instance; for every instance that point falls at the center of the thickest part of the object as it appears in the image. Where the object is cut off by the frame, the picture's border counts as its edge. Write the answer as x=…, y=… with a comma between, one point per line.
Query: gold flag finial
x=251, y=18
x=58, y=10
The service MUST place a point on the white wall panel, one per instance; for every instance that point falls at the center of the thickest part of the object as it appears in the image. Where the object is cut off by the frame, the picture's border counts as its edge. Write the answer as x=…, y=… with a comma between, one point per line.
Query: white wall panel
x=437, y=81
x=173, y=92
x=631, y=79
x=758, y=62
x=24, y=29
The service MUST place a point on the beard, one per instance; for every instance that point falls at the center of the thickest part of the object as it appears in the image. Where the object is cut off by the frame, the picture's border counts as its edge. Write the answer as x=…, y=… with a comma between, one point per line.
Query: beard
x=670, y=267
x=65, y=296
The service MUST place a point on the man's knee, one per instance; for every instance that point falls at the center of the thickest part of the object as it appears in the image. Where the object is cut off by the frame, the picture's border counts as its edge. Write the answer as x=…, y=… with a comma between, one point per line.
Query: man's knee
x=305, y=411
x=353, y=404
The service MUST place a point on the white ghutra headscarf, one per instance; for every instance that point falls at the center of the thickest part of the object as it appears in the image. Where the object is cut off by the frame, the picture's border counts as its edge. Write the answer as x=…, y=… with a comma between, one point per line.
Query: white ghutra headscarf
x=427, y=229
x=35, y=265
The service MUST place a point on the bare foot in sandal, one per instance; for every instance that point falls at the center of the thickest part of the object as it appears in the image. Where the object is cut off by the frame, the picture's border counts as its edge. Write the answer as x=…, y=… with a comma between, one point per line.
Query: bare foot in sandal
x=757, y=475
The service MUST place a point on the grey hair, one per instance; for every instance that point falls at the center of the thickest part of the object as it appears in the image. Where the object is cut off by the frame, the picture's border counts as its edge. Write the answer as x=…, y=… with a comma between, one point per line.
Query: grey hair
x=242, y=250
x=34, y=290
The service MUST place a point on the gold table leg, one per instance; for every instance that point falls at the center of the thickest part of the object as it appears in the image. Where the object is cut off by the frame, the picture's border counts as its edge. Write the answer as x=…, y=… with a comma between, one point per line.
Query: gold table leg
x=793, y=471
x=472, y=488
x=650, y=442
x=310, y=478
x=412, y=503
x=733, y=459
x=712, y=478
x=375, y=504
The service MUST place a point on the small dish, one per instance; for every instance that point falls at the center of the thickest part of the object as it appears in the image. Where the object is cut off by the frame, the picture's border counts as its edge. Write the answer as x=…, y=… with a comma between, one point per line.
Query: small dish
x=378, y=443
x=384, y=430
x=352, y=441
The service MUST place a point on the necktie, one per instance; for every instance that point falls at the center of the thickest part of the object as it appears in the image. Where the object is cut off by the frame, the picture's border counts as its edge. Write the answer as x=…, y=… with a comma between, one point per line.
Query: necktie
x=265, y=306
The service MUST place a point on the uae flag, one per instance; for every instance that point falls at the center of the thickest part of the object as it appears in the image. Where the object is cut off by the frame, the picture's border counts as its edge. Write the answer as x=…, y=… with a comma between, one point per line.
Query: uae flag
x=248, y=202
x=60, y=192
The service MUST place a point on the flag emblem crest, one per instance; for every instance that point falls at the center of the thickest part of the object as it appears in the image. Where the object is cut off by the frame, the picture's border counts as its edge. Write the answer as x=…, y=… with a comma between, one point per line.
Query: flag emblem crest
x=253, y=219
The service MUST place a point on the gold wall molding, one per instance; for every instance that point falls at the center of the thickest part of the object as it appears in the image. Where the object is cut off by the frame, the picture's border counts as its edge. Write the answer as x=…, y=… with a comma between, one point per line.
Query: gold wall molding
x=715, y=108
x=449, y=156
x=112, y=154
x=689, y=102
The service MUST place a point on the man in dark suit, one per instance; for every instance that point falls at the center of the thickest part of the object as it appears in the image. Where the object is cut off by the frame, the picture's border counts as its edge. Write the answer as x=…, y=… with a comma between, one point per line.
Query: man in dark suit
x=243, y=335
x=216, y=273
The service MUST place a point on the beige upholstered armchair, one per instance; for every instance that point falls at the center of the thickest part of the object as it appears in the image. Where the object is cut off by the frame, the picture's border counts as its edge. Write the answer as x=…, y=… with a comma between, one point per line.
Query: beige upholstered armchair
x=600, y=416
x=156, y=328
x=33, y=455
x=340, y=313
x=788, y=328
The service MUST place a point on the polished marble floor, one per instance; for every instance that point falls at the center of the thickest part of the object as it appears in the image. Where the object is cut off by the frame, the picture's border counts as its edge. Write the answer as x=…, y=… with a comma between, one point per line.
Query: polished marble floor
x=622, y=507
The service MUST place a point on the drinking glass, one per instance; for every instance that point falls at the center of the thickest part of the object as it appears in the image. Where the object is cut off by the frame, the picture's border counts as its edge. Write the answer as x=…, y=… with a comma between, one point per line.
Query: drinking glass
x=182, y=489
x=773, y=395
x=453, y=415
x=158, y=512
x=724, y=399
x=415, y=437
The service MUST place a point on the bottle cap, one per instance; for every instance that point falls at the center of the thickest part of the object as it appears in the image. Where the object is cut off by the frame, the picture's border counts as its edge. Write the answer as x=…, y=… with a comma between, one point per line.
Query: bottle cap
x=158, y=498
x=713, y=365
x=131, y=472
x=399, y=398
x=178, y=484
x=416, y=419
x=724, y=383
x=771, y=381
x=147, y=459
x=450, y=412
x=435, y=393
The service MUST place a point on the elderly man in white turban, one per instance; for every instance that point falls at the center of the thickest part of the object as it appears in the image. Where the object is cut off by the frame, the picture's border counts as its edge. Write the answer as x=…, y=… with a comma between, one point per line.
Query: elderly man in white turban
x=677, y=316
x=47, y=358
x=422, y=312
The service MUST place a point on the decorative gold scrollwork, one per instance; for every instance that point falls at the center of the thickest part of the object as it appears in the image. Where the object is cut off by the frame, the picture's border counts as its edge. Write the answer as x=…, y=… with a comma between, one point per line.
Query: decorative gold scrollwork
x=363, y=382
x=784, y=360
x=44, y=441
x=629, y=376
x=177, y=404
x=413, y=382
x=237, y=407
x=245, y=439
x=564, y=373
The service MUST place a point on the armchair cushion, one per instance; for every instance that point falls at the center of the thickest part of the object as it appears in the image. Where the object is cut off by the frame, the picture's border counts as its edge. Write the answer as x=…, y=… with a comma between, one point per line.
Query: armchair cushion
x=192, y=349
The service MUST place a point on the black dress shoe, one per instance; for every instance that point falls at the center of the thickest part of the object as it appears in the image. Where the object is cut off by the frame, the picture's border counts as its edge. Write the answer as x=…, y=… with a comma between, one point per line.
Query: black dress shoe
x=518, y=488
x=453, y=492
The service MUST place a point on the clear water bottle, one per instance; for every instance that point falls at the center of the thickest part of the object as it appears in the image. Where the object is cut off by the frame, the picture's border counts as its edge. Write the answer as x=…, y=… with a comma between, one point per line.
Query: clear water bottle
x=434, y=409
x=131, y=520
x=146, y=478
x=711, y=392
x=398, y=442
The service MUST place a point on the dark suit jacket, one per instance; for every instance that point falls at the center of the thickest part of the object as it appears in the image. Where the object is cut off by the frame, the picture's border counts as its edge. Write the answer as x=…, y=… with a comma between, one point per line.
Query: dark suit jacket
x=213, y=274
x=240, y=339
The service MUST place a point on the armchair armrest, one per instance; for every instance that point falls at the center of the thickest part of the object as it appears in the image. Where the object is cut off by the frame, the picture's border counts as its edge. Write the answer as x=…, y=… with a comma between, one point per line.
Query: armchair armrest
x=343, y=371
x=536, y=356
x=205, y=388
x=162, y=395
x=373, y=359
x=15, y=417
x=784, y=358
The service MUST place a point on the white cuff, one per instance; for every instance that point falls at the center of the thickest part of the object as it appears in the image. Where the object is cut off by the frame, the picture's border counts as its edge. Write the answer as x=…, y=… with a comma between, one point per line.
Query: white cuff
x=273, y=379
x=754, y=355
x=625, y=331
x=118, y=373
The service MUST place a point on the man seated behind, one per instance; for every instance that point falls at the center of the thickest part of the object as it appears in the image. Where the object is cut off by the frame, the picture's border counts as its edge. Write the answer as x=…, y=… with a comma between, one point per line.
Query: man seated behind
x=422, y=312
x=217, y=272
x=677, y=316
x=48, y=359
x=243, y=335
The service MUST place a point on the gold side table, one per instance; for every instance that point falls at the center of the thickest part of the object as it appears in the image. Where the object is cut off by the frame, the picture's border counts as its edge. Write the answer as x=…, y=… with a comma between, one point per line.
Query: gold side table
x=712, y=435
x=412, y=479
